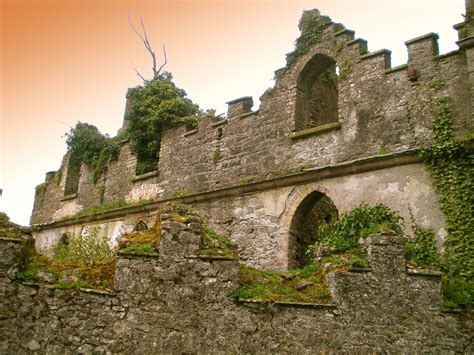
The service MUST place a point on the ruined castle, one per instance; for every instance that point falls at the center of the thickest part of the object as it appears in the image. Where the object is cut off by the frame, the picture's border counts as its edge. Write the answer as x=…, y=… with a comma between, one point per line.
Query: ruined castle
x=340, y=123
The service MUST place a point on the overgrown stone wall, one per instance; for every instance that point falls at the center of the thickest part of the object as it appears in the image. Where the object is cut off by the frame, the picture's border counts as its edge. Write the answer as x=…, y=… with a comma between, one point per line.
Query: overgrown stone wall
x=380, y=110
x=177, y=302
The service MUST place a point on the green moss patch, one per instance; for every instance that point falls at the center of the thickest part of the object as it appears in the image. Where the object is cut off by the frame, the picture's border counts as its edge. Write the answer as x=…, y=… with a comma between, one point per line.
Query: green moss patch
x=140, y=242
x=9, y=229
x=213, y=244
x=300, y=285
x=66, y=275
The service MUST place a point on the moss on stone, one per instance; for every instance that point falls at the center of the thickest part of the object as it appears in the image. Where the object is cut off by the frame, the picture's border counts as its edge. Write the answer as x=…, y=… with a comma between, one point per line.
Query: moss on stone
x=299, y=285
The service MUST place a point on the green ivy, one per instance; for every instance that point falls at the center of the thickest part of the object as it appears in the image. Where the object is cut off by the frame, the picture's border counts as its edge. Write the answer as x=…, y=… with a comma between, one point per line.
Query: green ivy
x=451, y=164
x=421, y=249
x=312, y=26
x=157, y=105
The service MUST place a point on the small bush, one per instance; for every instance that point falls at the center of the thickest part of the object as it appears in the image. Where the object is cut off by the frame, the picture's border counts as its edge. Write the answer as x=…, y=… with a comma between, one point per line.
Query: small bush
x=342, y=234
x=87, y=249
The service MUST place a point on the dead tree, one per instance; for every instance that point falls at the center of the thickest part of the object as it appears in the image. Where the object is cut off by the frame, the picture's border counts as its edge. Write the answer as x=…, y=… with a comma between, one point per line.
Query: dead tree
x=150, y=50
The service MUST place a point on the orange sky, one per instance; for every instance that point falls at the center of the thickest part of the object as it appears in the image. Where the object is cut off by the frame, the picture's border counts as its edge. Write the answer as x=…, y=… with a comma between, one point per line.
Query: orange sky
x=68, y=60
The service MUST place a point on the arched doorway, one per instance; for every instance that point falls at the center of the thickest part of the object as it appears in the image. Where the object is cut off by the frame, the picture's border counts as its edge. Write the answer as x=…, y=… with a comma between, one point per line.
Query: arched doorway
x=315, y=209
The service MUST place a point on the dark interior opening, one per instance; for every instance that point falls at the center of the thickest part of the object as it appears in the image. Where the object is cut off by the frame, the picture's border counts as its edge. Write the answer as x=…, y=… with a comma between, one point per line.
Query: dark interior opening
x=314, y=210
x=317, y=95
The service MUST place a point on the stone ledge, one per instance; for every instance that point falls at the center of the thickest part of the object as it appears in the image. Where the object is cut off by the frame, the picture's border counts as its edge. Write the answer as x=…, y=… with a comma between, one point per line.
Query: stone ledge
x=449, y=54
x=466, y=43
x=344, y=31
x=190, y=133
x=68, y=197
x=243, y=98
x=357, y=41
x=431, y=35
x=459, y=25
x=248, y=114
x=315, y=130
x=288, y=303
x=360, y=270
x=55, y=287
x=424, y=272
x=216, y=257
x=219, y=123
x=98, y=292
x=384, y=52
x=138, y=255
x=397, y=68
x=11, y=240
x=145, y=176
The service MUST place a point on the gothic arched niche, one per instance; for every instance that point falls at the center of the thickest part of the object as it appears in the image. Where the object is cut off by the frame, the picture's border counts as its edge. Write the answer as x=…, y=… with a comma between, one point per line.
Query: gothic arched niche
x=317, y=96
x=315, y=209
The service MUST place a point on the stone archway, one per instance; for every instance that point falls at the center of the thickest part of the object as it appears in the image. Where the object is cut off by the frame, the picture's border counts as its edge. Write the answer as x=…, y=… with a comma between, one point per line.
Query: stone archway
x=316, y=208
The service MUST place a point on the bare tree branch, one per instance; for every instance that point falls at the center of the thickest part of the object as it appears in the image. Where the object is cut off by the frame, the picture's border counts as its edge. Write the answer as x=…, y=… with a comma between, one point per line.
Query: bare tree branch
x=166, y=61
x=141, y=77
x=148, y=47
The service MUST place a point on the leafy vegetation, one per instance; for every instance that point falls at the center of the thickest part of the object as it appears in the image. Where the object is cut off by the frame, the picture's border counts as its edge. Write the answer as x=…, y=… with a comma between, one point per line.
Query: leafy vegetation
x=450, y=162
x=421, y=250
x=86, y=145
x=156, y=105
x=78, y=261
x=343, y=233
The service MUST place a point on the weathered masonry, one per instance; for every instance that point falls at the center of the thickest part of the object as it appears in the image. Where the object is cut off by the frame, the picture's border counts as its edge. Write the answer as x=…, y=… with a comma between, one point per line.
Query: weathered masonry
x=340, y=127
x=340, y=122
x=176, y=302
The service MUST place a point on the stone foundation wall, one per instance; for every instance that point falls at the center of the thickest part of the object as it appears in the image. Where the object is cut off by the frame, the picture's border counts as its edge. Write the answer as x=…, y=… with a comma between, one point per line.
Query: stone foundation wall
x=176, y=302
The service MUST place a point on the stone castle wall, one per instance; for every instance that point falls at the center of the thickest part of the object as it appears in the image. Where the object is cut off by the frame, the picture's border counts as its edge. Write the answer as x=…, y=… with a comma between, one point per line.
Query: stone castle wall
x=379, y=109
x=177, y=302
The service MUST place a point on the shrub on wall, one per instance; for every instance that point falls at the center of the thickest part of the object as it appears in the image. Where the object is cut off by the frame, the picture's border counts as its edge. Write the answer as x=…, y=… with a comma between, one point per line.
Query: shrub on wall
x=153, y=107
x=86, y=145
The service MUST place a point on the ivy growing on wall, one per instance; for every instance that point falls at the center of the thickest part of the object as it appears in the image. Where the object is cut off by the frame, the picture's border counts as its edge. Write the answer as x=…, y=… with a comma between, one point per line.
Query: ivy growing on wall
x=156, y=105
x=311, y=25
x=451, y=164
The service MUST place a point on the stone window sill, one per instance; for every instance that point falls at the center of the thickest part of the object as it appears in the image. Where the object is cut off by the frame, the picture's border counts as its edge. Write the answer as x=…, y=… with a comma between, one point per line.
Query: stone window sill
x=315, y=130
x=145, y=176
x=69, y=197
x=219, y=123
x=190, y=133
